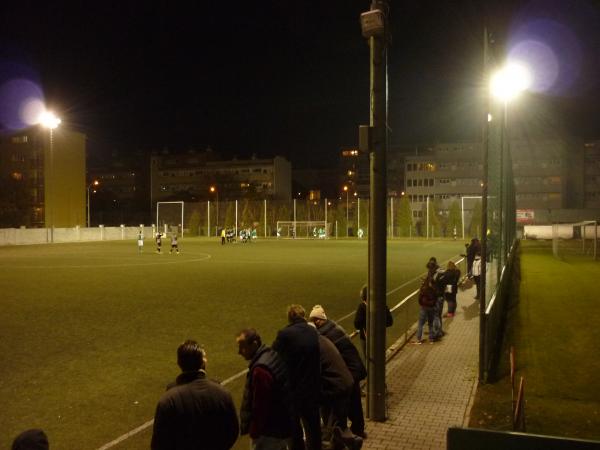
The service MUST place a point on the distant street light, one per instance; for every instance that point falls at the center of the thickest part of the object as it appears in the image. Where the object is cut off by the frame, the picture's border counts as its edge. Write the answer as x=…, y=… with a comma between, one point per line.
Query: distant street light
x=50, y=121
x=93, y=183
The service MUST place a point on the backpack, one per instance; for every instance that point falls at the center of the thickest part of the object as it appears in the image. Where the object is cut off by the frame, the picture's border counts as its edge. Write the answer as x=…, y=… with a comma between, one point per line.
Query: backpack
x=427, y=293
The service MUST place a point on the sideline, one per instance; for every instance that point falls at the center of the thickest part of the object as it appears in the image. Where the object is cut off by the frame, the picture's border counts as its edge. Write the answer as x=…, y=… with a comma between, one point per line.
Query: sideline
x=205, y=257
x=243, y=372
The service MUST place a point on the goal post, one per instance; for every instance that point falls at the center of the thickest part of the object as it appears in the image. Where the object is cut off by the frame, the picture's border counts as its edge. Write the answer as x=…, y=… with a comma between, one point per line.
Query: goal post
x=311, y=229
x=575, y=238
x=169, y=216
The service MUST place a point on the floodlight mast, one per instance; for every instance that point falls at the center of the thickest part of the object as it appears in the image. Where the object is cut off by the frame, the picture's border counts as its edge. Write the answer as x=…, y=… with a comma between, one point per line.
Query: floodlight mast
x=374, y=28
x=50, y=121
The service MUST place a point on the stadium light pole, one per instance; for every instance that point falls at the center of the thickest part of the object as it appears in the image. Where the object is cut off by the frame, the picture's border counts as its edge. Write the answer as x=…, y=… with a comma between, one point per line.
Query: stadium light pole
x=50, y=121
x=347, y=215
x=93, y=183
x=504, y=85
x=214, y=190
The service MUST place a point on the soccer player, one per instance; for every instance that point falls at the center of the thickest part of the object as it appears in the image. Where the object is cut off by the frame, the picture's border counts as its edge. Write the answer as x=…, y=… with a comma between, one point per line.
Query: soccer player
x=158, y=242
x=140, y=242
x=174, y=245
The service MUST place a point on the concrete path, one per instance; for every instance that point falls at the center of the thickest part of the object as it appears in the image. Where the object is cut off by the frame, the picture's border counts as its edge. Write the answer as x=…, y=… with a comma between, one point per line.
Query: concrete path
x=430, y=386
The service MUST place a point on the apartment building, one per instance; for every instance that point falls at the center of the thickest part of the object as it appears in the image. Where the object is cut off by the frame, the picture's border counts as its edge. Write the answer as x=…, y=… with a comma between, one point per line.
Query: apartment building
x=182, y=176
x=48, y=169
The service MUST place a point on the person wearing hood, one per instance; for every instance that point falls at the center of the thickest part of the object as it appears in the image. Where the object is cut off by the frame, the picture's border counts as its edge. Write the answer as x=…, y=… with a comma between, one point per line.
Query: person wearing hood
x=338, y=336
x=476, y=271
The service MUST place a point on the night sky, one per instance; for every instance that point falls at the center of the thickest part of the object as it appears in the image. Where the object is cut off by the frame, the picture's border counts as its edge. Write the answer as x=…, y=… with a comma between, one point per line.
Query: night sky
x=283, y=77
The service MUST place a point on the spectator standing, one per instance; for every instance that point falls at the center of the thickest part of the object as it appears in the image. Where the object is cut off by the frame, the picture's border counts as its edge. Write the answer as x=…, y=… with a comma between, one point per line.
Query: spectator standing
x=336, y=385
x=34, y=439
x=223, y=235
x=338, y=336
x=195, y=412
x=427, y=311
x=360, y=319
x=264, y=412
x=451, y=278
x=436, y=280
x=298, y=346
x=477, y=273
x=473, y=248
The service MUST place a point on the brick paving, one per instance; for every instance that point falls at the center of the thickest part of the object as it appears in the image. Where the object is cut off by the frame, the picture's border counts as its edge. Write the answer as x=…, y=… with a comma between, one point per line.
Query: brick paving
x=430, y=387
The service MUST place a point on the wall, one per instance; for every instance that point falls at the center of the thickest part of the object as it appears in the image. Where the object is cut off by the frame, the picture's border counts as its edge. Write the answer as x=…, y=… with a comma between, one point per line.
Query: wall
x=29, y=236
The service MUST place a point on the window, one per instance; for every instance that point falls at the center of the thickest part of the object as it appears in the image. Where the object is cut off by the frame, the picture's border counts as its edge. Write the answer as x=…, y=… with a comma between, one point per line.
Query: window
x=409, y=183
x=19, y=140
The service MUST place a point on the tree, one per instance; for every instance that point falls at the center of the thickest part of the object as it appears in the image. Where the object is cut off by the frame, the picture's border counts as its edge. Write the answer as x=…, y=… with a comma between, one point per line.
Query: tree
x=404, y=217
x=194, y=223
x=435, y=224
x=475, y=226
x=454, y=219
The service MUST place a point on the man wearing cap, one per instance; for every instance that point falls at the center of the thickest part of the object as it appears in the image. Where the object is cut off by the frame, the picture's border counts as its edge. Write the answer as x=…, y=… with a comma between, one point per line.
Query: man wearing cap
x=264, y=412
x=338, y=336
x=298, y=346
x=194, y=412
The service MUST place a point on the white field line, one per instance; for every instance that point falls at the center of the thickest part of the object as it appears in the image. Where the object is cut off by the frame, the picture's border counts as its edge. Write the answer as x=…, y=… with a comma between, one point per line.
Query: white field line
x=87, y=266
x=243, y=372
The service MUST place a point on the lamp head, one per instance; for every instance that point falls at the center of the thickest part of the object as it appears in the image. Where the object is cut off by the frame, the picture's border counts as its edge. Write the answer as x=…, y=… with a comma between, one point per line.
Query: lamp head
x=49, y=120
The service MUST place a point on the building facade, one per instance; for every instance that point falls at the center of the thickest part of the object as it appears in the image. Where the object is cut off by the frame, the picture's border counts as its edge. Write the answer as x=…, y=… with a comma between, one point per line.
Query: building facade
x=190, y=177
x=548, y=175
x=48, y=170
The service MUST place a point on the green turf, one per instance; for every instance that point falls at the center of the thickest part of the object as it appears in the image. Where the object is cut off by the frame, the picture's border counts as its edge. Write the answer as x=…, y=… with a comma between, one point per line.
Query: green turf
x=88, y=331
x=555, y=329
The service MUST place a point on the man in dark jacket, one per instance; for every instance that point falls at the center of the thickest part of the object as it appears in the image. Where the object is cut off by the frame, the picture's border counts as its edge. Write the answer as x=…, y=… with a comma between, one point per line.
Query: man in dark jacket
x=338, y=336
x=360, y=319
x=194, y=412
x=264, y=412
x=298, y=345
x=34, y=439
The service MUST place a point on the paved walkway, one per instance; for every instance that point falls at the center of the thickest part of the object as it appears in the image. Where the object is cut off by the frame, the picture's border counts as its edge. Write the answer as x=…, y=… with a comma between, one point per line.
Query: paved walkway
x=431, y=386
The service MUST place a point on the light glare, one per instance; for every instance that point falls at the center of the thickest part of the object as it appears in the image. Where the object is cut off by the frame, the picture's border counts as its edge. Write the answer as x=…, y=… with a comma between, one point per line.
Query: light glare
x=510, y=81
x=49, y=120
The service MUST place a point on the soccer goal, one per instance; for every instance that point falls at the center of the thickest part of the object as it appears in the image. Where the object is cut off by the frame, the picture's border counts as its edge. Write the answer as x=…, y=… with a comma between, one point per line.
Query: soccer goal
x=169, y=217
x=314, y=229
x=575, y=238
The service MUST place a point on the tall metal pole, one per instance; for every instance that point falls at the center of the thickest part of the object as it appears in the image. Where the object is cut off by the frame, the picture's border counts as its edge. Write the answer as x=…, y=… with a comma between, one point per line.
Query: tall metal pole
x=377, y=220
x=347, y=215
x=51, y=184
x=88, y=206
x=484, y=203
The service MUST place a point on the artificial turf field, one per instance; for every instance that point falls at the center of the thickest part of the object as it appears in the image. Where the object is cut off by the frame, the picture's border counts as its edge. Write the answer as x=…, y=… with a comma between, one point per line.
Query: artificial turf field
x=88, y=331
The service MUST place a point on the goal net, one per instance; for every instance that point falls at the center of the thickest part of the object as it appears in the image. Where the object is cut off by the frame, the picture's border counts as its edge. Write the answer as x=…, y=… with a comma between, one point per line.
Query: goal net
x=576, y=238
x=169, y=217
x=315, y=229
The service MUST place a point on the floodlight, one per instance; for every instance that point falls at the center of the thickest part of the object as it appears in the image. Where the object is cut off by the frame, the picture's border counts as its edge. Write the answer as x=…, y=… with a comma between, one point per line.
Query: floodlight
x=510, y=81
x=49, y=120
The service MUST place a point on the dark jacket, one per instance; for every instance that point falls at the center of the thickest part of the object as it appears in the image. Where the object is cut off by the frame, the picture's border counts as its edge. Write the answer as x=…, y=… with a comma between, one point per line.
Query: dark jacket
x=342, y=342
x=196, y=413
x=336, y=379
x=298, y=345
x=265, y=405
x=360, y=319
x=451, y=278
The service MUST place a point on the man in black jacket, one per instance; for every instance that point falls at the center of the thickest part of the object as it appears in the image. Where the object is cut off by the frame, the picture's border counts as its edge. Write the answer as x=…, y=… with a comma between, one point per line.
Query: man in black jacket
x=360, y=319
x=194, y=412
x=298, y=346
x=336, y=334
x=264, y=412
